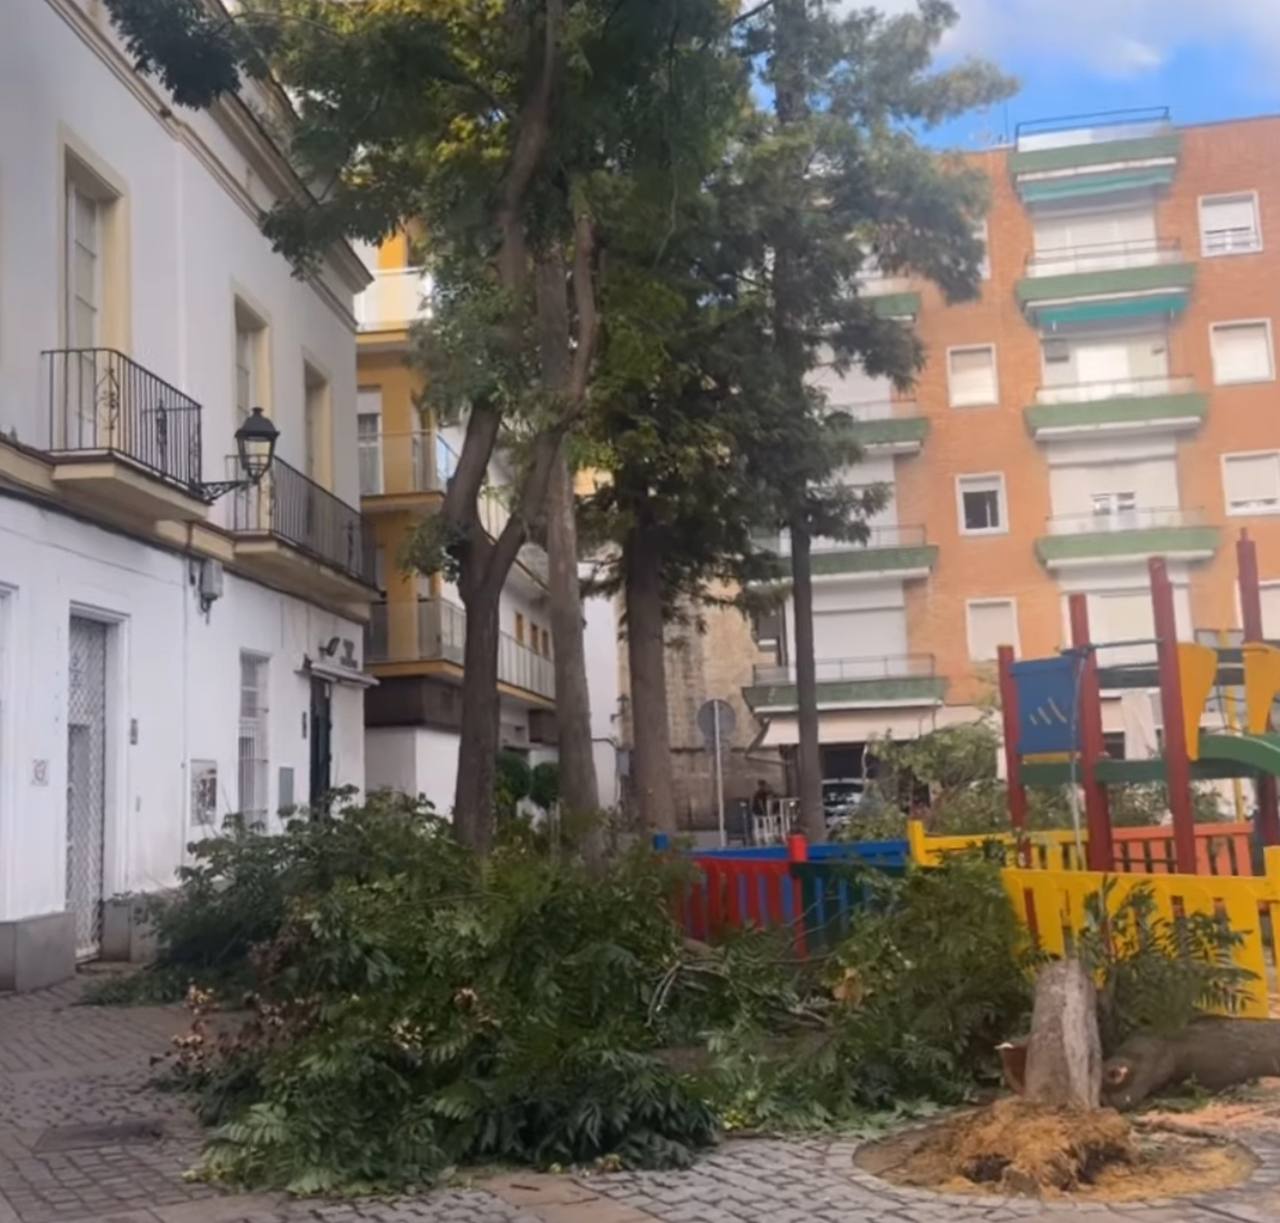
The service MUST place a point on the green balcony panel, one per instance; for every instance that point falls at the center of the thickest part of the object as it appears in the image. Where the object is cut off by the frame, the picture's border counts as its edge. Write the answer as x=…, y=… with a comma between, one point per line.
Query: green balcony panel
x=1143, y=541
x=1150, y=278
x=873, y=560
x=891, y=431
x=897, y=305
x=921, y=689
x=1105, y=153
x=1188, y=410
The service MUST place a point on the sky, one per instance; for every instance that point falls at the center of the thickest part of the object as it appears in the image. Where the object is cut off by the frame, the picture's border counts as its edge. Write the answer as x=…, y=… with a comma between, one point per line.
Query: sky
x=1204, y=59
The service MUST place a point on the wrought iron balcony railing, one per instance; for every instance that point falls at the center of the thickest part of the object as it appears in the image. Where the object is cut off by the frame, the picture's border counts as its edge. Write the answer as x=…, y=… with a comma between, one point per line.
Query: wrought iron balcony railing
x=844, y=670
x=294, y=508
x=101, y=401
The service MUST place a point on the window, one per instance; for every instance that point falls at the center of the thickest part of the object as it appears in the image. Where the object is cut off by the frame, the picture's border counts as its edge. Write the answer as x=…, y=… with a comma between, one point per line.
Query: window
x=546, y=643
x=369, y=440
x=1252, y=482
x=520, y=628
x=982, y=233
x=1229, y=224
x=84, y=268
x=316, y=408
x=992, y=623
x=981, y=505
x=253, y=762
x=251, y=343
x=1115, y=505
x=1241, y=352
x=971, y=375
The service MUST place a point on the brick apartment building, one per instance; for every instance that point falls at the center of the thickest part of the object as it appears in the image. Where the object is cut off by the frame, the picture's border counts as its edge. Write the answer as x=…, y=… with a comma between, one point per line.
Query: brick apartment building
x=1109, y=396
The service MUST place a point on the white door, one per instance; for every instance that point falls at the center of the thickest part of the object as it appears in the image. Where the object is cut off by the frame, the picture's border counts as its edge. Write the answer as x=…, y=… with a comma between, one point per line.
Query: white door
x=86, y=779
x=77, y=426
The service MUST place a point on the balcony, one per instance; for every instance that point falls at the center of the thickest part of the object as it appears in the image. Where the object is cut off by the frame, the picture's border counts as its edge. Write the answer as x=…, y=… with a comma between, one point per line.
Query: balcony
x=1117, y=406
x=851, y=683
x=435, y=631
x=885, y=427
x=121, y=437
x=291, y=531
x=1124, y=536
x=889, y=551
x=397, y=469
x=1106, y=282
x=1094, y=156
x=394, y=301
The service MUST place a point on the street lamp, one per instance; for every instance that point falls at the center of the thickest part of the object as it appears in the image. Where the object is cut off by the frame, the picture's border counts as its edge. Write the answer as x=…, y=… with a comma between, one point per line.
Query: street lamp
x=255, y=450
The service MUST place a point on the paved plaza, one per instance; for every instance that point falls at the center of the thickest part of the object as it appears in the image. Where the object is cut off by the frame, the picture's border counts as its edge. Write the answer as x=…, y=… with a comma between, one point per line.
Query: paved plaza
x=85, y=1135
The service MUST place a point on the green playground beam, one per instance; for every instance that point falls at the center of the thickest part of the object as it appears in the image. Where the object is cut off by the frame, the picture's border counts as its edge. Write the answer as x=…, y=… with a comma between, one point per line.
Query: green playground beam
x=1133, y=772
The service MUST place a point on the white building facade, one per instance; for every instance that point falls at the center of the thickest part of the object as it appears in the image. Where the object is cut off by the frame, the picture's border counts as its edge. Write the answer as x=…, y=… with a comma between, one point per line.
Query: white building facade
x=168, y=656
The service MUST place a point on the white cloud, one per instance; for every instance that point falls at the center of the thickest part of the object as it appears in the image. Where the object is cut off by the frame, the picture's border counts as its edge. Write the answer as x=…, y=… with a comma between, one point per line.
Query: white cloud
x=1119, y=38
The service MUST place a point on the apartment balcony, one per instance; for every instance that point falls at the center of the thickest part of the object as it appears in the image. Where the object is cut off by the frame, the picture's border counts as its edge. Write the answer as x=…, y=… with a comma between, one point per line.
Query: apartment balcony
x=1093, y=157
x=893, y=295
x=122, y=438
x=399, y=469
x=888, y=551
x=888, y=427
x=1125, y=536
x=292, y=532
x=1117, y=407
x=430, y=636
x=1106, y=282
x=395, y=300
x=851, y=683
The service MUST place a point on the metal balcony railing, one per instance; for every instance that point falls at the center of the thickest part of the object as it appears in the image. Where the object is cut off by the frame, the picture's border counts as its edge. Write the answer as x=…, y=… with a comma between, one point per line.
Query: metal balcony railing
x=838, y=670
x=1116, y=388
x=412, y=461
x=395, y=298
x=1138, y=518
x=1233, y=240
x=294, y=508
x=522, y=667
x=873, y=409
x=102, y=401
x=442, y=630
x=1104, y=256
x=1101, y=127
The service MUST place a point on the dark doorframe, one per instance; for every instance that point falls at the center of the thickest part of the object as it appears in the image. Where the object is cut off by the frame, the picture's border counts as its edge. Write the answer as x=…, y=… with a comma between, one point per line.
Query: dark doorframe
x=321, y=743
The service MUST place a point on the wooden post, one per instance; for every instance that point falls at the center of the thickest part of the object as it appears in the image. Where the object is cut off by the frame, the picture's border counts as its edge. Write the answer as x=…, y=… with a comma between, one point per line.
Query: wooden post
x=1100, y=852
x=1177, y=767
x=1251, y=620
x=1012, y=758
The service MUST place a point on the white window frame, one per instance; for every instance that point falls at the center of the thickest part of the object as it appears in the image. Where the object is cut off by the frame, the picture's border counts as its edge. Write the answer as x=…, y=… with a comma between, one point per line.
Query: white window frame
x=1250, y=192
x=995, y=376
x=262, y=760
x=1221, y=324
x=1002, y=502
x=1232, y=511
x=362, y=443
x=1008, y=601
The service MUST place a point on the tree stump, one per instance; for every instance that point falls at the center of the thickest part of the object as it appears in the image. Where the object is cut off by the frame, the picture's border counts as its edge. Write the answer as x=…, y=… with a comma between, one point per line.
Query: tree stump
x=1064, y=1053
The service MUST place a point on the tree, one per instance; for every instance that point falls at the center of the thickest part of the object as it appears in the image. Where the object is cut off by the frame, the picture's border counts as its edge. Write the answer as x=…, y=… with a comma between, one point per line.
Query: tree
x=835, y=177
x=503, y=128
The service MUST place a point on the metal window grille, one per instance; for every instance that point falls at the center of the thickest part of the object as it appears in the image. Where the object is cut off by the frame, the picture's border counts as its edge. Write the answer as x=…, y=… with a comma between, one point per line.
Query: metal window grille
x=253, y=760
x=86, y=779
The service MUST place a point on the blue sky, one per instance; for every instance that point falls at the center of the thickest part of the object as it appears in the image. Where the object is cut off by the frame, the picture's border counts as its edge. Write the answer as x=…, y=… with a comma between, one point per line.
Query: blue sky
x=1205, y=59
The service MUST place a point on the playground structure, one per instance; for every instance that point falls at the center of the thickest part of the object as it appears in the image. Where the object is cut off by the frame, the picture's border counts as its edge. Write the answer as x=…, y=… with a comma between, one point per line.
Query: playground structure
x=1052, y=718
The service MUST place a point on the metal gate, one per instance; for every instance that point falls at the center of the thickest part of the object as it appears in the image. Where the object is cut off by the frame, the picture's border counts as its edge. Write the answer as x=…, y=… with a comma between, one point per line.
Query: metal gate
x=321, y=744
x=86, y=779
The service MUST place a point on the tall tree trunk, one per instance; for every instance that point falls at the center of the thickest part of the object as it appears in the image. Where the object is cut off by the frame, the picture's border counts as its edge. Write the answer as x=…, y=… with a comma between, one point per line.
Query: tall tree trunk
x=478, y=735
x=646, y=658
x=808, y=755
x=578, y=792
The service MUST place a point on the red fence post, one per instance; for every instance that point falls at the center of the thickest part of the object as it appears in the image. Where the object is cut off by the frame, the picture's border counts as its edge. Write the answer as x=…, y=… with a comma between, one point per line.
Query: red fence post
x=798, y=851
x=1100, y=853
x=1251, y=622
x=1177, y=767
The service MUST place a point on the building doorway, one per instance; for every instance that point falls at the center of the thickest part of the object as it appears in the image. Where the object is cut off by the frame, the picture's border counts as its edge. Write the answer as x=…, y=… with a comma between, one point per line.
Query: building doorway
x=321, y=743
x=86, y=779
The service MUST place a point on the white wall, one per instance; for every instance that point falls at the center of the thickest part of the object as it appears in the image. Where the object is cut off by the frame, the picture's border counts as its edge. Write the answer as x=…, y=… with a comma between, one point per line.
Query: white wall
x=192, y=244
x=172, y=671
x=416, y=760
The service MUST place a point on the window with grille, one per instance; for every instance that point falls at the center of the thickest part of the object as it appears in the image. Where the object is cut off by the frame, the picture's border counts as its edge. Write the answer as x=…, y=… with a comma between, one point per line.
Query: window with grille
x=992, y=623
x=369, y=440
x=1252, y=482
x=1242, y=352
x=981, y=505
x=971, y=375
x=253, y=802
x=1229, y=224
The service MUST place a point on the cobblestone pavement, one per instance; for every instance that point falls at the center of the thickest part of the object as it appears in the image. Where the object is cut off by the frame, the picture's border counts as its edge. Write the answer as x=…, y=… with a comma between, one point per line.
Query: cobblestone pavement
x=65, y=1069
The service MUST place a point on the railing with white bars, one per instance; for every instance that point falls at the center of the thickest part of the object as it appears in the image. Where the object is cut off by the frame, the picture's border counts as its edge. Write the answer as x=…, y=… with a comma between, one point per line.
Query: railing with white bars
x=888, y=535
x=412, y=461
x=1116, y=388
x=1101, y=127
x=837, y=670
x=866, y=410
x=1103, y=256
x=395, y=298
x=1125, y=518
x=1232, y=240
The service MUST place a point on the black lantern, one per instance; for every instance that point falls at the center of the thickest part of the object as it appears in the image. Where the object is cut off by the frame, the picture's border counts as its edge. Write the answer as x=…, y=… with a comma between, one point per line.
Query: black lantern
x=256, y=445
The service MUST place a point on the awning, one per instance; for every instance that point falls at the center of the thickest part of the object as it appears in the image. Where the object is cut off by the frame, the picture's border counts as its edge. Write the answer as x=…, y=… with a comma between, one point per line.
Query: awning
x=857, y=726
x=335, y=674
